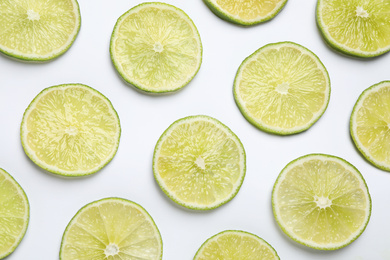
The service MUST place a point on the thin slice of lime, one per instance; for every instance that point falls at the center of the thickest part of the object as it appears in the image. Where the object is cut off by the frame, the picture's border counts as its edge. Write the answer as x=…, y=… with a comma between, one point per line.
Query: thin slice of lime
x=360, y=28
x=38, y=30
x=111, y=228
x=14, y=214
x=70, y=130
x=282, y=88
x=156, y=48
x=246, y=12
x=199, y=163
x=370, y=124
x=321, y=201
x=236, y=245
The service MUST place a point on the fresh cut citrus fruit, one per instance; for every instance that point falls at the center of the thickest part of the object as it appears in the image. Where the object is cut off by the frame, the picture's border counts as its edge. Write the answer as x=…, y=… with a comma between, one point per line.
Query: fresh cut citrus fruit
x=246, y=12
x=236, y=245
x=360, y=28
x=70, y=130
x=156, y=47
x=14, y=214
x=199, y=163
x=321, y=201
x=282, y=88
x=38, y=30
x=370, y=124
x=111, y=228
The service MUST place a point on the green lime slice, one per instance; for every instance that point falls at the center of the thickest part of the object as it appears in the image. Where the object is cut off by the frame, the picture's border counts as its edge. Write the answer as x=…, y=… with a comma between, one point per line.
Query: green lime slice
x=70, y=130
x=14, y=214
x=199, y=163
x=370, y=124
x=38, y=30
x=114, y=229
x=246, y=12
x=156, y=48
x=360, y=28
x=321, y=201
x=236, y=245
x=282, y=88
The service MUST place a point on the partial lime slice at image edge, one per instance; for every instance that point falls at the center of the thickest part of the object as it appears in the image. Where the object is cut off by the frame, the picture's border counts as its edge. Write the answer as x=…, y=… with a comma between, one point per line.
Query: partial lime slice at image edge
x=14, y=214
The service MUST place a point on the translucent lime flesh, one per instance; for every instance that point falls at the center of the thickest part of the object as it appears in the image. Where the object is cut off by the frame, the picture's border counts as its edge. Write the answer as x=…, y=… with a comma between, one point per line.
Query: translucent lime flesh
x=37, y=29
x=248, y=9
x=111, y=229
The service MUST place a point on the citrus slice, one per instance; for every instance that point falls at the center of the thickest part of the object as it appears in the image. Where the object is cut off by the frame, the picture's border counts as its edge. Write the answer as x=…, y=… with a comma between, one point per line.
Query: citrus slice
x=38, y=30
x=360, y=28
x=246, y=12
x=321, y=201
x=199, y=163
x=236, y=245
x=111, y=228
x=370, y=124
x=282, y=88
x=14, y=214
x=70, y=130
x=156, y=47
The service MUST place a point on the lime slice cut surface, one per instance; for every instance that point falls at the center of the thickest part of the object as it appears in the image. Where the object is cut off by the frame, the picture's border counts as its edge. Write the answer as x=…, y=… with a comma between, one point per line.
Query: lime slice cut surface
x=156, y=47
x=70, y=130
x=246, y=12
x=199, y=163
x=370, y=124
x=321, y=201
x=14, y=214
x=282, y=88
x=359, y=28
x=236, y=245
x=111, y=228
x=38, y=30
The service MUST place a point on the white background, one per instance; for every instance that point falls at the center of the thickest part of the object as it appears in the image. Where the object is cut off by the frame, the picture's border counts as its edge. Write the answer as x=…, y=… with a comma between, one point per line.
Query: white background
x=54, y=200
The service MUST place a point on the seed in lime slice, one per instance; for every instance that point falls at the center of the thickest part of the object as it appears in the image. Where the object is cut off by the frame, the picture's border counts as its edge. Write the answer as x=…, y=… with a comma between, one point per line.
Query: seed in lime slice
x=370, y=124
x=359, y=28
x=246, y=12
x=321, y=201
x=70, y=130
x=199, y=163
x=111, y=228
x=38, y=30
x=156, y=47
x=14, y=214
x=236, y=245
x=282, y=88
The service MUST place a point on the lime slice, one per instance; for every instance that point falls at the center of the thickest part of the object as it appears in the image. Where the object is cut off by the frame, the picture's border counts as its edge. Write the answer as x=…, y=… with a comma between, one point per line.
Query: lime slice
x=70, y=130
x=14, y=214
x=360, y=28
x=246, y=12
x=236, y=245
x=111, y=228
x=370, y=124
x=282, y=88
x=321, y=201
x=38, y=30
x=156, y=47
x=199, y=163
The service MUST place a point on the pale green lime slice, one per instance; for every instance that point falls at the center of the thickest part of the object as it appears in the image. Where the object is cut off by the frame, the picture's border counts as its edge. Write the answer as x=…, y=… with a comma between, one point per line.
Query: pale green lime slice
x=156, y=47
x=14, y=214
x=246, y=12
x=70, y=130
x=282, y=88
x=321, y=201
x=370, y=124
x=199, y=163
x=38, y=30
x=359, y=27
x=236, y=245
x=113, y=229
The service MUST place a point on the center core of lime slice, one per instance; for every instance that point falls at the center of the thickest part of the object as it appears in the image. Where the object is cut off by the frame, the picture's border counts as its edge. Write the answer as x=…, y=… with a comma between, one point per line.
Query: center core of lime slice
x=111, y=250
x=32, y=15
x=322, y=202
x=200, y=162
x=282, y=88
x=158, y=47
x=361, y=12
